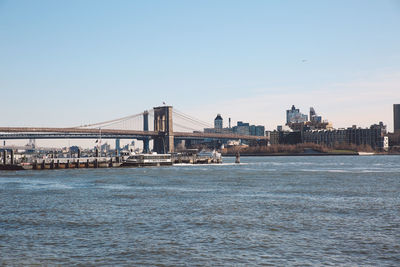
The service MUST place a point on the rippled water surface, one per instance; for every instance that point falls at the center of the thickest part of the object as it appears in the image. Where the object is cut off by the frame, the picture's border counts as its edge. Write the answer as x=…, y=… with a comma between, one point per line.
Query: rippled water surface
x=266, y=211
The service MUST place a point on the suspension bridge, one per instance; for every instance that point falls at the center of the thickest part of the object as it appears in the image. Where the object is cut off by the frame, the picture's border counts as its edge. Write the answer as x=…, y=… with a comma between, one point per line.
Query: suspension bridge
x=169, y=126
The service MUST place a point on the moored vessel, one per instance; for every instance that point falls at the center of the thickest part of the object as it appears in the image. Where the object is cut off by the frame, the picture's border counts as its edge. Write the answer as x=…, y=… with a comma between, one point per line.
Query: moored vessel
x=142, y=160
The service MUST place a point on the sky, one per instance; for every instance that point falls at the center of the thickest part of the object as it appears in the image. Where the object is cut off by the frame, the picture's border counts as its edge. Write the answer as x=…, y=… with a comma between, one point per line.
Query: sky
x=66, y=63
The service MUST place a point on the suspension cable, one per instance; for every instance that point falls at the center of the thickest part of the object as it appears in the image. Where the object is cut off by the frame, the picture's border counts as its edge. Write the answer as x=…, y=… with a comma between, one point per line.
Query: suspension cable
x=192, y=119
x=185, y=127
x=110, y=121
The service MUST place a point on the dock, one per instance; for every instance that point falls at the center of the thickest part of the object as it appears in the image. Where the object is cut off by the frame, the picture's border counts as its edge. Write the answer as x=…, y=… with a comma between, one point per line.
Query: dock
x=62, y=163
x=9, y=162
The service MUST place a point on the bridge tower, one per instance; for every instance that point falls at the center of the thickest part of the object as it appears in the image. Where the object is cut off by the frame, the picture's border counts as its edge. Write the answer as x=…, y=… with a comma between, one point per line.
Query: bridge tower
x=164, y=143
x=146, y=147
x=118, y=146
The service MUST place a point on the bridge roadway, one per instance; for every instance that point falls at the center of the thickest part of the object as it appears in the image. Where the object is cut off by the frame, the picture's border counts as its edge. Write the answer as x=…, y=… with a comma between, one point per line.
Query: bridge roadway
x=78, y=133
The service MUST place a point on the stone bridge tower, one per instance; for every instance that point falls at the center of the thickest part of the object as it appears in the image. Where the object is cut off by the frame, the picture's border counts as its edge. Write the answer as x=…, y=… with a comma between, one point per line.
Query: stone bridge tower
x=164, y=143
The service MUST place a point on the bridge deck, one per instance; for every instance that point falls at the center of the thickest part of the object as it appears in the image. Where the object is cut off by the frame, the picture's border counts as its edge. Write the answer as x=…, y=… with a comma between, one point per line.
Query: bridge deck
x=78, y=133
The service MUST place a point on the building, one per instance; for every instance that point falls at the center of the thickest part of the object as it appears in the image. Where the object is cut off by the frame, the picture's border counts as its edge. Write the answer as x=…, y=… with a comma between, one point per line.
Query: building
x=259, y=130
x=106, y=148
x=273, y=137
x=130, y=147
x=294, y=115
x=299, y=122
x=218, y=127
x=314, y=117
x=218, y=130
x=242, y=128
x=396, y=118
x=218, y=122
x=373, y=136
x=284, y=137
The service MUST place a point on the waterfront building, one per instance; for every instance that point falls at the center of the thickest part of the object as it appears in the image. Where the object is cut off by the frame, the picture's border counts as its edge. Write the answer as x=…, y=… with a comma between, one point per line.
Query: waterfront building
x=374, y=136
x=284, y=137
x=396, y=118
x=273, y=137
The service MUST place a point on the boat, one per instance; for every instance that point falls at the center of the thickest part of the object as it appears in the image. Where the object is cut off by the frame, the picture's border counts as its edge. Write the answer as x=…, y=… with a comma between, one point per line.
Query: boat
x=366, y=153
x=142, y=160
x=209, y=157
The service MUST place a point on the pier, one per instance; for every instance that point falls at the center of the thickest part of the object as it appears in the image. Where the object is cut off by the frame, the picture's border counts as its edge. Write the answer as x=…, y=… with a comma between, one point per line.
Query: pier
x=59, y=163
x=9, y=161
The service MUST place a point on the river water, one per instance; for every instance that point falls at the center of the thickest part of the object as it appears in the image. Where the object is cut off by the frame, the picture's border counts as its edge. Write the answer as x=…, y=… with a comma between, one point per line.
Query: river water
x=282, y=211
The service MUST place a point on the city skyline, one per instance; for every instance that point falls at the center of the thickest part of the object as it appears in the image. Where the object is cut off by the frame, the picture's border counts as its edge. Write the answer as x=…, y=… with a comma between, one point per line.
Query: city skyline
x=71, y=63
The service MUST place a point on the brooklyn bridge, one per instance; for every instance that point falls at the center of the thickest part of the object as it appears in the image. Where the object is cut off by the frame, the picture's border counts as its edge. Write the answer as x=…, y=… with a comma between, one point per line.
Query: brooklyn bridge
x=169, y=127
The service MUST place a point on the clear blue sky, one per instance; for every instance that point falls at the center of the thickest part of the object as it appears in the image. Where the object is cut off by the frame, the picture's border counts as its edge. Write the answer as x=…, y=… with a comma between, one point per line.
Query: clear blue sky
x=63, y=63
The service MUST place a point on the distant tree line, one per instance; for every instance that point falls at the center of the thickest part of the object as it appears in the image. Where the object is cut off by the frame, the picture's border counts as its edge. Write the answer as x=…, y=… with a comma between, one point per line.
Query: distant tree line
x=298, y=148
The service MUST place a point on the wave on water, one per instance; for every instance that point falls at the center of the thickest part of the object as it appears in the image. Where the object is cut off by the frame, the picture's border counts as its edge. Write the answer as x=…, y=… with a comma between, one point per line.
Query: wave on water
x=212, y=164
x=264, y=211
x=52, y=185
x=350, y=170
x=115, y=186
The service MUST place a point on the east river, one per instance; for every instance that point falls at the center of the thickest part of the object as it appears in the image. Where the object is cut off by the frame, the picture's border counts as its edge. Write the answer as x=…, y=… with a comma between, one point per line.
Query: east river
x=282, y=211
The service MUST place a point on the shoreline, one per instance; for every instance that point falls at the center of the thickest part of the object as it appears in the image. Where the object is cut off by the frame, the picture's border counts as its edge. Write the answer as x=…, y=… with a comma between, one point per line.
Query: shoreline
x=303, y=154
x=290, y=154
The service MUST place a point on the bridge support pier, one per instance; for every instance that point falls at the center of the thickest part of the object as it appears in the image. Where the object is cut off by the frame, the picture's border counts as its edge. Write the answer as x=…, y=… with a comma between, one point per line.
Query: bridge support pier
x=12, y=157
x=146, y=141
x=164, y=142
x=117, y=146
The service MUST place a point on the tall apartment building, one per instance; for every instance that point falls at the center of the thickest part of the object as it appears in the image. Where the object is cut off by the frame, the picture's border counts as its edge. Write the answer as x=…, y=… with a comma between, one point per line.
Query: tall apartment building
x=294, y=115
x=396, y=117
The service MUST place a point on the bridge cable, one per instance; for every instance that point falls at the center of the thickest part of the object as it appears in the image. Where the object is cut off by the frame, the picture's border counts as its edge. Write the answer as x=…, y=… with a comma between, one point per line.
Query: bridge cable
x=110, y=122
